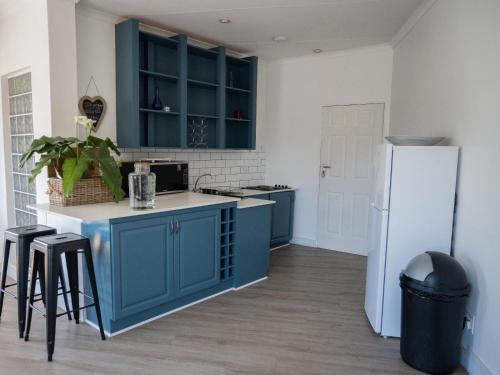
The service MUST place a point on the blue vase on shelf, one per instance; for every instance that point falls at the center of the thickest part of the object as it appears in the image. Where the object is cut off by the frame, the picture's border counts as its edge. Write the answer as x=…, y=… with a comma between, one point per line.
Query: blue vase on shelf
x=157, y=102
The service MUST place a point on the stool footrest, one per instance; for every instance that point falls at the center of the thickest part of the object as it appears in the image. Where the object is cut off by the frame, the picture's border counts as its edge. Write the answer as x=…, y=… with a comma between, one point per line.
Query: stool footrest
x=13, y=295
x=86, y=295
x=80, y=309
x=38, y=310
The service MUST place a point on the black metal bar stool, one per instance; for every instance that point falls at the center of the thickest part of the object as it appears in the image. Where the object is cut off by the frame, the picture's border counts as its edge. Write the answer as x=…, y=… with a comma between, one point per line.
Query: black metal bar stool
x=23, y=237
x=51, y=248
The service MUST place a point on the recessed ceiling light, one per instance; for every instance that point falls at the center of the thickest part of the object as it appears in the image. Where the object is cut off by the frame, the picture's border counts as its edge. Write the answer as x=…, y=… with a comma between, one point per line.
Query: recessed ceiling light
x=280, y=38
x=317, y=50
x=225, y=20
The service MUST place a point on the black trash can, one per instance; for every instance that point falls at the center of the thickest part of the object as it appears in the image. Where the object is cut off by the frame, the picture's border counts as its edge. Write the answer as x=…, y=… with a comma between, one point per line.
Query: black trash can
x=434, y=290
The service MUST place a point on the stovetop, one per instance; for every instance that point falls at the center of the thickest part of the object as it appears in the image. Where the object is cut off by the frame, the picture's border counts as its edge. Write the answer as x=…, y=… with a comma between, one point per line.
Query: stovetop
x=268, y=187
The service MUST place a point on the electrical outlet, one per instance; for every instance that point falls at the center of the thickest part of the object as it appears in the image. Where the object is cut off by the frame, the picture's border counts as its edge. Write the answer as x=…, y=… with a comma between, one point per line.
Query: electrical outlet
x=469, y=326
x=470, y=322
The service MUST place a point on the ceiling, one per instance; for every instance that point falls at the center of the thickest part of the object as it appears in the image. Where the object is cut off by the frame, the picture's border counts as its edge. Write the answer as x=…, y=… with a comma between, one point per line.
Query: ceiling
x=330, y=25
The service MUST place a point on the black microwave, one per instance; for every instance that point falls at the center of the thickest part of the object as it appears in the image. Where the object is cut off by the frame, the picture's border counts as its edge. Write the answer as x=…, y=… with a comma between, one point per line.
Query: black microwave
x=171, y=176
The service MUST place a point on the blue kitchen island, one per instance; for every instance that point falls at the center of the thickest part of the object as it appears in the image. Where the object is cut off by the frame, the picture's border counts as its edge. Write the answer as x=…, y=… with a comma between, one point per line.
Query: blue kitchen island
x=151, y=263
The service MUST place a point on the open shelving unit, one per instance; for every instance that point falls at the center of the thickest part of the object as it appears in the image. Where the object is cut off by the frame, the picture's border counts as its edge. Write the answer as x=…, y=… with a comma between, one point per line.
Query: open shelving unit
x=196, y=83
x=227, y=243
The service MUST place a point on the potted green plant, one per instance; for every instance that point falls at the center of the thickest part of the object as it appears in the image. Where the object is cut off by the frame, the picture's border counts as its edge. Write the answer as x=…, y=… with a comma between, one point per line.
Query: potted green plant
x=80, y=171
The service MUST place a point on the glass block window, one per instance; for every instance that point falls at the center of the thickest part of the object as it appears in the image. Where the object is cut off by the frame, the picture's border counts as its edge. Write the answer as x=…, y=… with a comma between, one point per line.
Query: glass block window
x=21, y=136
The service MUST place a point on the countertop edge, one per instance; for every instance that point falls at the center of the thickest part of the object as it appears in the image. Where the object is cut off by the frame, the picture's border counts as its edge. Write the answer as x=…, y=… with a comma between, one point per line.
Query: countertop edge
x=253, y=202
x=91, y=214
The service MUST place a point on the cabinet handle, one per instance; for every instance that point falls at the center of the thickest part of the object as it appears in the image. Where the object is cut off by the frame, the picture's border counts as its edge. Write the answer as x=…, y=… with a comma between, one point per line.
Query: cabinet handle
x=172, y=227
x=177, y=226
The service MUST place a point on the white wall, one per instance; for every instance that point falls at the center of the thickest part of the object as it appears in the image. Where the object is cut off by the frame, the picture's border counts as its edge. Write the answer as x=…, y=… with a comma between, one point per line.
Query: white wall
x=447, y=82
x=296, y=91
x=24, y=46
x=37, y=36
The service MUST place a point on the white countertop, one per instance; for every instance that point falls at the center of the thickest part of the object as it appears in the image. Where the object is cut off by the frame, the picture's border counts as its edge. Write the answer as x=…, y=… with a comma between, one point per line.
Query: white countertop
x=111, y=210
x=251, y=192
x=252, y=202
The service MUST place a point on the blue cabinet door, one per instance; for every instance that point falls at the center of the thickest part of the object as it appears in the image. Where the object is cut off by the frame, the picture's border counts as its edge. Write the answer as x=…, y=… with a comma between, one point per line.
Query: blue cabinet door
x=142, y=265
x=196, y=255
x=253, y=234
x=282, y=221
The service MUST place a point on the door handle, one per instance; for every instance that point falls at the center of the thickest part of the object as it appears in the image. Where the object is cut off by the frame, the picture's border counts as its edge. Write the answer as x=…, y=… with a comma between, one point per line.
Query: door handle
x=323, y=170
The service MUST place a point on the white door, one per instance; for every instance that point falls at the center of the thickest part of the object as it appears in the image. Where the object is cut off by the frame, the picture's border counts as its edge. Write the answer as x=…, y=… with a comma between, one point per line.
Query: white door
x=349, y=135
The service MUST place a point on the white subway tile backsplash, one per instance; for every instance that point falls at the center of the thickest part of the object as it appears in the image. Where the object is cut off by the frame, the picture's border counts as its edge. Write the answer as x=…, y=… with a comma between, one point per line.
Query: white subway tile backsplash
x=230, y=168
x=234, y=163
x=204, y=156
x=197, y=164
x=215, y=171
x=231, y=155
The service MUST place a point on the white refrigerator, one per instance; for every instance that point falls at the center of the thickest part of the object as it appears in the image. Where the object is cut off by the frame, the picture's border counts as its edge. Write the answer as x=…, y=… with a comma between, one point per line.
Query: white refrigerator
x=412, y=212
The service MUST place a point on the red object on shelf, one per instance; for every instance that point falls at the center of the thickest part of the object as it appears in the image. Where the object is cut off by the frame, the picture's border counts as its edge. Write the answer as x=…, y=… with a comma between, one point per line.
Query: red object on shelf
x=238, y=115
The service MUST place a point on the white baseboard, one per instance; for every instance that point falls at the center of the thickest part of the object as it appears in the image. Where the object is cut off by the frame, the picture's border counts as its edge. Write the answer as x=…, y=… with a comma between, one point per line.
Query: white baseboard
x=473, y=364
x=304, y=241
x=109, y=334
x=279, y=247
x=249, y=284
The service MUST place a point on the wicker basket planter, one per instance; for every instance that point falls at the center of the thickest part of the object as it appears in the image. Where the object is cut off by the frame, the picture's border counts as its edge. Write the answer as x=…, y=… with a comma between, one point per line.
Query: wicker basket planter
x=87, y=191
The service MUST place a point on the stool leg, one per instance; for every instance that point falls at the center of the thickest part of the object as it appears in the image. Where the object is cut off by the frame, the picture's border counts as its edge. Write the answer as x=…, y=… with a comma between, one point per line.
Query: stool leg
x=6, y=253
x=51, y=283
x=65, y=294
x=93, y=286
x=23, y=258
x=41, y=275
x=72, y=267
x=34, y=272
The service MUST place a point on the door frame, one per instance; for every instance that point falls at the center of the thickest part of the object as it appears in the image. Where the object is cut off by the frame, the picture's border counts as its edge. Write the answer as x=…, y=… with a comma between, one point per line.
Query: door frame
x=385, y=132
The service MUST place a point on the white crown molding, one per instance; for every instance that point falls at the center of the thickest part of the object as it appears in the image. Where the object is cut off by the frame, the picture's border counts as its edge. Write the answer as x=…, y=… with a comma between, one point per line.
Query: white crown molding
x=82, y=9
x=333, y=54
x=412, y=21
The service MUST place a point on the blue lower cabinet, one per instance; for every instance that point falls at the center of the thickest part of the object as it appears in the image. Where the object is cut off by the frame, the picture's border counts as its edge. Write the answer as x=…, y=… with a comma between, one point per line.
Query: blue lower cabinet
x=143, y=265
x=196, y=254
x=253, y=234
x=282, y=221
x=151, y=264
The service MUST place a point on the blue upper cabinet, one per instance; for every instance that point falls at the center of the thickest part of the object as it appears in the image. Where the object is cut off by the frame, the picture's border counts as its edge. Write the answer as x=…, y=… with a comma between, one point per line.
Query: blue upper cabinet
x=142, y=264
x=196, y=256
x=211, y=96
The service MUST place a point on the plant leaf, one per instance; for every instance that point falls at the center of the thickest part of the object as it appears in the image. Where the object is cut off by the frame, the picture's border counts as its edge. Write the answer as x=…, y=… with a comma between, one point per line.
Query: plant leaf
x=73, y=170
x=111, y=174
x=44, y=161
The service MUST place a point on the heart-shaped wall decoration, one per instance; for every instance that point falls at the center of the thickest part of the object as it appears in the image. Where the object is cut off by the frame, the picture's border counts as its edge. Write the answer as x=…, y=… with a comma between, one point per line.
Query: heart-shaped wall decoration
x=94, y=108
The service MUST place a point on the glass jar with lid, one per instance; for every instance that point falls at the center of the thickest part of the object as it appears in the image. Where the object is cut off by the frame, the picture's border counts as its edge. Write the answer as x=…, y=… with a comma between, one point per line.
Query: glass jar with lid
x=142, y=187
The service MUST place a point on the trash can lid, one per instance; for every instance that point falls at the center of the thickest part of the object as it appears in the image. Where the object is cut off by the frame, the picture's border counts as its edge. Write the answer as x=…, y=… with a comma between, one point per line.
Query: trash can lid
x=436, y=273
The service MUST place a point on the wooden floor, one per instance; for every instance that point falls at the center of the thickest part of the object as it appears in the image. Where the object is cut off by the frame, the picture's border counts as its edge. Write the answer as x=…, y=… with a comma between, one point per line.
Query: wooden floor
x=307, y=318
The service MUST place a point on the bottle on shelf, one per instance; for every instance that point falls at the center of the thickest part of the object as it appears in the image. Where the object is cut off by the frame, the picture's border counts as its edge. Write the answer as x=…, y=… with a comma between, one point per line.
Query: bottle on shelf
x=238, y=114
x=157, y=105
